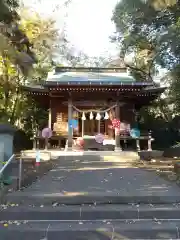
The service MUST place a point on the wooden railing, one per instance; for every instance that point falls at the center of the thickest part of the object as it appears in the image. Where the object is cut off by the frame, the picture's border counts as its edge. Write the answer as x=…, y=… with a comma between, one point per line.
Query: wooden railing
x=58, y=141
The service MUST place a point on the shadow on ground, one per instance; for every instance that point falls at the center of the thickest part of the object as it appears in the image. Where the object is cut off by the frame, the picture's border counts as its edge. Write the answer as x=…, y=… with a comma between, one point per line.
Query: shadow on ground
x=30, y=173
x=84, y=178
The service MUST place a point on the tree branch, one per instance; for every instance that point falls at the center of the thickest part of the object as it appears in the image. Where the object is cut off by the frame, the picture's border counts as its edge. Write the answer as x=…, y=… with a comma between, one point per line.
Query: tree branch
x=151, y=65
x=139, y=70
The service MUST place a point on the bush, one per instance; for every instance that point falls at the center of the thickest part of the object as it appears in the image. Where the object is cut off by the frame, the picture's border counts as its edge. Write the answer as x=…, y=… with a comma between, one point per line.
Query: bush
x=22, y=141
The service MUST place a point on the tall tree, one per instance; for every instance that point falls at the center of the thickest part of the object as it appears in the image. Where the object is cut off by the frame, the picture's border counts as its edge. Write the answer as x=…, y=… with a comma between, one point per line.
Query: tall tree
x=42, y=33
x=45, y=38
x=150, y=30
x=14, y=41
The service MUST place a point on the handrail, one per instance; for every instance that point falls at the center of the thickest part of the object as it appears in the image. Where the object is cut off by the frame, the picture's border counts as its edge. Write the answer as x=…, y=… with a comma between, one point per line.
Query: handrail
x=6, y=164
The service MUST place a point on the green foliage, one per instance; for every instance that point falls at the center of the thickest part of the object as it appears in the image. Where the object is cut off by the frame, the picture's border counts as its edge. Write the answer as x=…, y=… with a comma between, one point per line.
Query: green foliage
x=13, y=41
x=44, y=37
x=158, y=119
x=150, y=31
x=15, y=107
x=35, y=117
x=8, y=10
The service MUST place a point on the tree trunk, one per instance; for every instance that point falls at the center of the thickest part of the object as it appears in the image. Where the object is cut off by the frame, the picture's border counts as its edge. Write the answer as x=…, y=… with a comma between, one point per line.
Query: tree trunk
x=12, y=118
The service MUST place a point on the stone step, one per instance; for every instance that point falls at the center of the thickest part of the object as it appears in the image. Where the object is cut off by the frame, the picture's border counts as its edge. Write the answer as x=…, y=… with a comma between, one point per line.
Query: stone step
x=94, y=165
x=136, y=212
x=97, y=155
x=100, y=230
x=75, y=198
x=94, y=161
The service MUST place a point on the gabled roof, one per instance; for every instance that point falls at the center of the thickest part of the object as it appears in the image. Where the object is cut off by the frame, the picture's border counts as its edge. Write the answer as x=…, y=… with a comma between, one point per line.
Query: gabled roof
x=154, y=89
x=35, y=88
x=106, y=79
x=91, y=76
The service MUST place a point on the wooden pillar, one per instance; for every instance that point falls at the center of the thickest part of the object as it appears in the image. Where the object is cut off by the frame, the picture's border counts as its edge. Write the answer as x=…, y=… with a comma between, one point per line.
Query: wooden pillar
x=35, y=140
x=59, y=143
x=137, y=116
x=82, y=130
x=105, y=128
x=78, y=119
x=46, y=143
x=117, y=136
x=70, y=129
x=99, y=126
x=50, y=115
x=149, y=141
x=138, y=145
x=34, y=143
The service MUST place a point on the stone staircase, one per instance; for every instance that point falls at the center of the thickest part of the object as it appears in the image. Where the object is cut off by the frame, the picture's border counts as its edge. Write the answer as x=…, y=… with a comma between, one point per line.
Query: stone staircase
x=83, y=199
x=123, y=221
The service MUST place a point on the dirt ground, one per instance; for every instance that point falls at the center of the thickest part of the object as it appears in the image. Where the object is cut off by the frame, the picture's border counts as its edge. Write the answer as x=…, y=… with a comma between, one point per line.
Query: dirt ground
x=30, y=173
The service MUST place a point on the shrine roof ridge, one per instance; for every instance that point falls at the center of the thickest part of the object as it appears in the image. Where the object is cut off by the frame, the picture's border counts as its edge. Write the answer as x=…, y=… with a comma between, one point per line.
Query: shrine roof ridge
x=59, y=69
x=96, y=83
x=86, y=77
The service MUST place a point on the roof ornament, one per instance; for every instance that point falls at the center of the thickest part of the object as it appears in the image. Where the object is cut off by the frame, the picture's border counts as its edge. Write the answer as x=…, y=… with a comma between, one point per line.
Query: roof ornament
x=83, y=117
x=91, y=116
x=106, y=117
x=98, y=116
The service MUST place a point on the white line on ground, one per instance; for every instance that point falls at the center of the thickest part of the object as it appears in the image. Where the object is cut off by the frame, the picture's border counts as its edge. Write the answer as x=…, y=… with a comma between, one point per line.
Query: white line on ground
x=100, y=220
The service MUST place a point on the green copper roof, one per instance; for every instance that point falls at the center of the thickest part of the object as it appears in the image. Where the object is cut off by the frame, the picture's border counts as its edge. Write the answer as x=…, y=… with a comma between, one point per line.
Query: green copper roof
x=93, y=77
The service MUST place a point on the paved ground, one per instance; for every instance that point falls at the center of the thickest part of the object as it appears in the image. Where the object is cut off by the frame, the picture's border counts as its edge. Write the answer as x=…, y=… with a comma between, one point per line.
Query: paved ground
x=53, y=207
x=104, y=230
x=76, y=177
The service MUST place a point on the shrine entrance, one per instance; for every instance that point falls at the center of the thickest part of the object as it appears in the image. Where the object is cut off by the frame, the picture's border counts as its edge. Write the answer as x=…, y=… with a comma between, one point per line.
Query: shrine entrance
x=91, y=127
x=89, y=92
x=93, y=121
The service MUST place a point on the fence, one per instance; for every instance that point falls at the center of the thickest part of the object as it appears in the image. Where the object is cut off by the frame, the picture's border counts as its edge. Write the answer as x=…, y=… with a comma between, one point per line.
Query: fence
x=8, y=167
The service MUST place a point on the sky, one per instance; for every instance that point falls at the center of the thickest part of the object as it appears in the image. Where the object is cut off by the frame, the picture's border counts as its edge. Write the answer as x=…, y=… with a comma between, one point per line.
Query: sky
x=89, y=25
x=87, y=22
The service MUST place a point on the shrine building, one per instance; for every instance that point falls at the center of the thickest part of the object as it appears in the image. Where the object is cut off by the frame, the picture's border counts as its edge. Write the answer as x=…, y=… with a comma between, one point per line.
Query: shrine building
x=93, y=97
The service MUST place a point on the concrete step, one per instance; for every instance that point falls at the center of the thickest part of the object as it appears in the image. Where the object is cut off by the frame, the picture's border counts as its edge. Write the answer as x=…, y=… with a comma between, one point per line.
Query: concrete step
x=75, y=198
x=98, y=156
x=96, y=230
x=137, y=212
x=94, y=165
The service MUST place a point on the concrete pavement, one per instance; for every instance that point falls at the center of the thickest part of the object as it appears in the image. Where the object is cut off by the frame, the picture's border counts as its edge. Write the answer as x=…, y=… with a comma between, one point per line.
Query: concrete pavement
x=79, y=179
x=92, y=212
x=86, y=197
x=91, y=230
